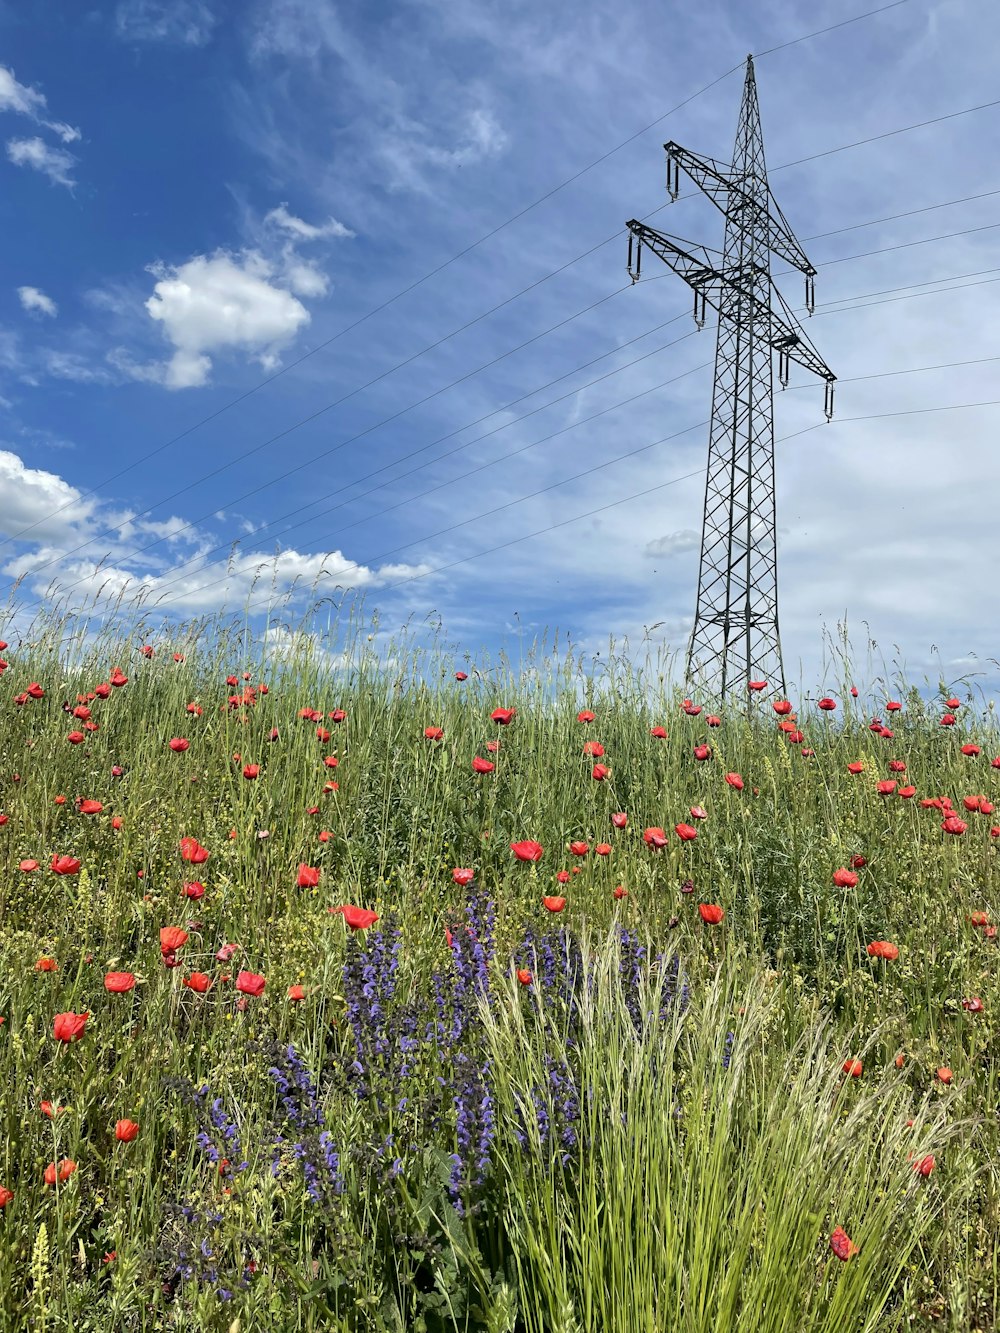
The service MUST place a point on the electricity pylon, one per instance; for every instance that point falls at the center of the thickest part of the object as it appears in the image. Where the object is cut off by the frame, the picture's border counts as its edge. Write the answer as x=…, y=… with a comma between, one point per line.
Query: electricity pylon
x=735, y=637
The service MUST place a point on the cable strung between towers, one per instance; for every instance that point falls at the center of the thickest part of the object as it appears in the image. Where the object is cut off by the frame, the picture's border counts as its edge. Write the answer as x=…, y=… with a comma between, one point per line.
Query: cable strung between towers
x=735, y=637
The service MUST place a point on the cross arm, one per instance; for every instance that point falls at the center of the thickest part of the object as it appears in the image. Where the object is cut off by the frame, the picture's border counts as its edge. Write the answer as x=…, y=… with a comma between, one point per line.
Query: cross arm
x=726, y=192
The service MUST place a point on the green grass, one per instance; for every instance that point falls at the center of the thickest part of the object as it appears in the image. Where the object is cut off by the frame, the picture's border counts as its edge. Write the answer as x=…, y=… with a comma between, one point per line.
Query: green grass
x=716, y=1141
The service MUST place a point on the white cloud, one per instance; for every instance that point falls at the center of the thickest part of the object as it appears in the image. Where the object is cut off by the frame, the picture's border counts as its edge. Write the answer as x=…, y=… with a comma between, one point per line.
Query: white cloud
x=305, y=231
x=30, y=496
x=672, y=544
x=26, y=101
x=67, y=365
x=55, y=163
x=178, y=22
x=37, y=302
x=212, y=303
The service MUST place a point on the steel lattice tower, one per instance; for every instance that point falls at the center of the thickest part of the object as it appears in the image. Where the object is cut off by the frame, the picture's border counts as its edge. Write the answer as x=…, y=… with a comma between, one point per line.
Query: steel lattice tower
x=735, y=637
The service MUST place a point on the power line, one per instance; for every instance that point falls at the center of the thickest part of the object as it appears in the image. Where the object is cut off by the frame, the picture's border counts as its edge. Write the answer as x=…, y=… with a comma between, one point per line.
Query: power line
x=409, y=407
x=382, y=555
x=454, y=332
x=638, y=495
x=459, y=254
x=176, y=574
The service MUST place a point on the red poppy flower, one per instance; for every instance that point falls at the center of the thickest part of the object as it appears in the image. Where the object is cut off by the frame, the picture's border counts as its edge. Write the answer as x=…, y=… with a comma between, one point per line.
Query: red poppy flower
x=854, y=1068
x=358, y=918
x=842, y=1245
x=117, y=983
x=953, y=704
x=308, y=876
x=925, y=1166
x=978, y=918
x=603, y=849
x=527, y=850
x=463, y=876
x=562, y=876
x=702, y=752
x=971, y=750
x=619, y=819
x=524, y=976
x=734, y=780
x=35, y=691
x=64, y=1170
x=193, y=852
x=782, y=707
x=944, y=1074
x=46, y=965
x=948, y=720
x=126, y=1131
x=599, y=772
x=322, y=734
x=503, y=716
x=856, y=767
x=954, y=825
x=593, y=748
x=250, y=983
x=685, y=832
x=250, y=771
x=698, y=812
x=296, y=993
x=47, y=1109
x=28, y=866
x=179, y=744
x=195, y=889
x=844, y=879
x=434, y=733
x=660, y=733
x=197, y=981
x=172, y=938
x=68, y=1027
x=493, y=746
x=90, y=807
x=886, y=788
x=620, y=892
x=883, y=949
x=59, y=800
x=973, y=1006
x=827, y=705
x=5, y=1196
x=654, y=837
x=711, y=913
x=585, y=716
x=65, y=865
x=579, y=848
x=461, y=675
x=554, y=904
x=338, y=715
x=482, y=765
x=995, y=831
x=893, y=706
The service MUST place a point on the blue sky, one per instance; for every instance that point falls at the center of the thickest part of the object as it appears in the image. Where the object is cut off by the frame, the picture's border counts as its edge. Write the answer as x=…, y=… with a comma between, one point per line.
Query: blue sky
x=197, y=195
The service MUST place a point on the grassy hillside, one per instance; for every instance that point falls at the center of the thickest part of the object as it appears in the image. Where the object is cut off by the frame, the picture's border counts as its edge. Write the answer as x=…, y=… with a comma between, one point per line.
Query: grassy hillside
x=718, y=1053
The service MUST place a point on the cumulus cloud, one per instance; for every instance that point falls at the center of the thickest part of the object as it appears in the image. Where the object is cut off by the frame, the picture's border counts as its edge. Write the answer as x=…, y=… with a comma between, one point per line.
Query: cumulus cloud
x=305, y=231
x=213, y=303
x=673, y=543
x=27, y=101
x=176, y=22
x=41, y=501
x=36, y=302
x=55, y=163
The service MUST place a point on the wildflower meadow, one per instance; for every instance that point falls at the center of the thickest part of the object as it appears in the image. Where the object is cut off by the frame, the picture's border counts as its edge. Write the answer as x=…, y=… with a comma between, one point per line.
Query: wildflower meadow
x=430, y=992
